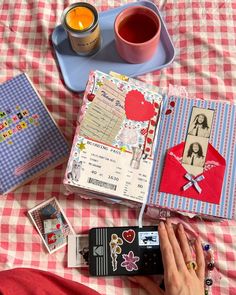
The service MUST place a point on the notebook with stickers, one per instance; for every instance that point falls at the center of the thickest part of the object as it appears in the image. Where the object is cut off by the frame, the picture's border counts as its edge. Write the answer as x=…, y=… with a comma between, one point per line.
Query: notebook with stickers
x=30, y=141
x=134, y=145
x=112, y=156
x=124, y=251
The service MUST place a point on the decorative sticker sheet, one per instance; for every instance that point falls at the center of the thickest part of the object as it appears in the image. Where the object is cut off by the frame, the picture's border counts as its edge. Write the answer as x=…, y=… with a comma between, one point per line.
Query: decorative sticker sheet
x=115, y=139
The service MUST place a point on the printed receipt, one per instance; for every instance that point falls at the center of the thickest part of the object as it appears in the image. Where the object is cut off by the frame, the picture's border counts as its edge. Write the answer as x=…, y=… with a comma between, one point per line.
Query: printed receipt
x=107, y=170
x=105, y=114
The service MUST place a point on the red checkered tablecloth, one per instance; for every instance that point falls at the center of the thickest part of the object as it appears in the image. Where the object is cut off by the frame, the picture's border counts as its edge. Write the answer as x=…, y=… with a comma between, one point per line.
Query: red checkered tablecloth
x=204, y=35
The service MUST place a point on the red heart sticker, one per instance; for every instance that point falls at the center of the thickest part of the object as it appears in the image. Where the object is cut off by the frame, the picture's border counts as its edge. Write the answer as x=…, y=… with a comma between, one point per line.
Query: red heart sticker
x=58, y=225
x=129, y=235
x=144, y=131
x=137, y=108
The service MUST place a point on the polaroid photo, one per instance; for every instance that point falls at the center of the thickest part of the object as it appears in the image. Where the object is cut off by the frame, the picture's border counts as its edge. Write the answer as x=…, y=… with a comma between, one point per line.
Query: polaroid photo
x=51, y=224
x=201, y=122
x=195, y=154
x=78, y=251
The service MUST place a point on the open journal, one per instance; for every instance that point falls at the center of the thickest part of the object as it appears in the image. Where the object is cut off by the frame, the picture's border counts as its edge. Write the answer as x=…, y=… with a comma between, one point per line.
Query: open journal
x=134, y=145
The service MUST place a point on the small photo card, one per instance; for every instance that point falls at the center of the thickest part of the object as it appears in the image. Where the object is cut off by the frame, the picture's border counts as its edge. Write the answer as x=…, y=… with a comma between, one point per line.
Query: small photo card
x=200, y=122
x=149, y=238
x=51, y=224
x=78, y=251
x=195, y=151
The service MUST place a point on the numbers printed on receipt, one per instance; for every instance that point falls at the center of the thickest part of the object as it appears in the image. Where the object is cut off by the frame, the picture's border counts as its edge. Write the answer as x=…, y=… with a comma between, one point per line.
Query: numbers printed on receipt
x=108, y=171
x=105, y=114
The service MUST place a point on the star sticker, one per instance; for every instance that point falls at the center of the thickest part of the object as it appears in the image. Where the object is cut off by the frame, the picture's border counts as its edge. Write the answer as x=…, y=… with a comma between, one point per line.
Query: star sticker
x=99, y=83
x=123, y=148
x=81, y=146
x=17, y=107
x=10, y=142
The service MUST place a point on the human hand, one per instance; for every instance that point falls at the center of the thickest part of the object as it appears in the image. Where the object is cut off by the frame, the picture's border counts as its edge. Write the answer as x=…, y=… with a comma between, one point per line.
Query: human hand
x=179, y=280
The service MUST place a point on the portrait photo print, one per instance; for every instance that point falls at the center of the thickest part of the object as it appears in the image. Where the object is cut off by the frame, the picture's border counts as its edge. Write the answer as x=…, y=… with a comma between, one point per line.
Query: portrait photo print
x=200, y=122
x=78, y=251
x=195, y=151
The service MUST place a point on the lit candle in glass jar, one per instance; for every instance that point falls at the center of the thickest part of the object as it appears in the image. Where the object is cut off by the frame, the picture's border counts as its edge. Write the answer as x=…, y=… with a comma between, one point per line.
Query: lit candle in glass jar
x=80, y=20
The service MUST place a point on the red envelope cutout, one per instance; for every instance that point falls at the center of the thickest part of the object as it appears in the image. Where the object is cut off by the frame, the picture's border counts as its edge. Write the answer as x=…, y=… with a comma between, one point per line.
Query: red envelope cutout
x=173, y=177
x=137, y=108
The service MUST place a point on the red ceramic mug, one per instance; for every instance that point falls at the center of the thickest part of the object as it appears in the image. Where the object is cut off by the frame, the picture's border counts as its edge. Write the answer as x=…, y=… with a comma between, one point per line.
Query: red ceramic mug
x=137, y=33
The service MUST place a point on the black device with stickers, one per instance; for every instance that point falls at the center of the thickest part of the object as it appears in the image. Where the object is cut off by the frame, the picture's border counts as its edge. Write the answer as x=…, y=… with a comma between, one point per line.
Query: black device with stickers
x=124, y=251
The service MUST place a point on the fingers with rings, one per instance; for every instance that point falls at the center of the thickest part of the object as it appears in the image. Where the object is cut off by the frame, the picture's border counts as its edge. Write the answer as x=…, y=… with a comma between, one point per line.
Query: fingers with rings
x=191, y=264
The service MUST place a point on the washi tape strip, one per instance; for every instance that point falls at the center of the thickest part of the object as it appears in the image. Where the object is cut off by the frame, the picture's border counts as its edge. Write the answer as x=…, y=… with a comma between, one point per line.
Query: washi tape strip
x=151, y=132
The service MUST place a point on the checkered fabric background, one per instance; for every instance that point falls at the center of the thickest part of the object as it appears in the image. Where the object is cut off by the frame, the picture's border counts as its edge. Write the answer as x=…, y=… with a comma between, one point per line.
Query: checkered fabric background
x=204, y=34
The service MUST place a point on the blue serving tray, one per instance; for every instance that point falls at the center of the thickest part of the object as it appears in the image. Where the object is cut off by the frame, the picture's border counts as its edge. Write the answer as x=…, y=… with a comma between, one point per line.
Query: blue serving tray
x=75, y=69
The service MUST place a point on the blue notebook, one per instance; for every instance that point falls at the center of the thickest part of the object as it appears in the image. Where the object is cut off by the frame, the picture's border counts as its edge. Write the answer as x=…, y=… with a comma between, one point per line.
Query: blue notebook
x=30, y=141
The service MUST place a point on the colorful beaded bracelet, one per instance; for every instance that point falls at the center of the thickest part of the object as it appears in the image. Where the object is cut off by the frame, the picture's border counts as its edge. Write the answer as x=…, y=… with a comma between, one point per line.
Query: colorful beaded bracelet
x=210, y=265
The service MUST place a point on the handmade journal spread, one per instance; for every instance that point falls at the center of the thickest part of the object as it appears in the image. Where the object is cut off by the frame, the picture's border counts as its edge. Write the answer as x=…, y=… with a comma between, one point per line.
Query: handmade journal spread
x=195, y=159
x=133, y=144
x=30, y=141
x=112, y=153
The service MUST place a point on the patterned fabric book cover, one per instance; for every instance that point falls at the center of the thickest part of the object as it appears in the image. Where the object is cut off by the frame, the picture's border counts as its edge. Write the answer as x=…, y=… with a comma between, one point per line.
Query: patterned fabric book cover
x=30, y=141
x=179, y=181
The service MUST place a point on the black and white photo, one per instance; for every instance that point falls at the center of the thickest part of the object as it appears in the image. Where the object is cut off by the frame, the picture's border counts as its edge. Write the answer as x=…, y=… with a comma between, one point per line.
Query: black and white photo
x=200, y=122
x=78, y=251
x=195, y=151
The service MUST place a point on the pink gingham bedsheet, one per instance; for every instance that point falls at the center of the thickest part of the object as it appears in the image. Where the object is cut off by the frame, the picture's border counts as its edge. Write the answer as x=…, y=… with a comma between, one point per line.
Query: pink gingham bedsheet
x=204, y=35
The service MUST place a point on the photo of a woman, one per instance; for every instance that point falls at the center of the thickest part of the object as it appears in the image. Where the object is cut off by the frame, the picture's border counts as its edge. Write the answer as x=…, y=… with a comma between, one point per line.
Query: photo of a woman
x=195, y=155
x=199, y=126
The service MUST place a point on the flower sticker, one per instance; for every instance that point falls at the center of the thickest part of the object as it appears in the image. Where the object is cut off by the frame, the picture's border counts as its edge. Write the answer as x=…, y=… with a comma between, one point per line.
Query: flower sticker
x=115, y=249
x=130, y=261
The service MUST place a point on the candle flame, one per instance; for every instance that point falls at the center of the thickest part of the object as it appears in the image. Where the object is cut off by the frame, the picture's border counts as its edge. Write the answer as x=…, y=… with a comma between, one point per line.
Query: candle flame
x=81, y=27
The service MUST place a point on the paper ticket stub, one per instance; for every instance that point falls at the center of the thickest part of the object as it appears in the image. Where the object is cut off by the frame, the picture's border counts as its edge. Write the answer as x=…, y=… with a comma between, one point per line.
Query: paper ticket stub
x=108, y=170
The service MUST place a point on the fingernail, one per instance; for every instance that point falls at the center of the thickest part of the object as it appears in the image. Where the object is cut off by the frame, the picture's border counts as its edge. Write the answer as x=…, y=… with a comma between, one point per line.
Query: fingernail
x=181, y=228
x=168, y=222
x=161, y=225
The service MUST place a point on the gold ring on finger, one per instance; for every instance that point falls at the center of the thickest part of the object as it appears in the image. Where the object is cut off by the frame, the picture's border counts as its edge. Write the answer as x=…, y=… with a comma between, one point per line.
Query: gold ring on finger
x=191, y=265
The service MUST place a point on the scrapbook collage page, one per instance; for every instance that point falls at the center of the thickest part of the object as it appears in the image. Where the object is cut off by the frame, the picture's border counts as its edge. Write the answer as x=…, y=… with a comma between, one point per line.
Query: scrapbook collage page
x=115, y=139
x=194, y=164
